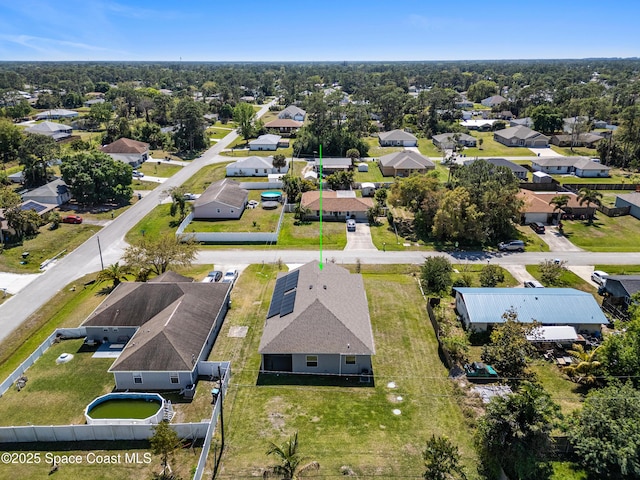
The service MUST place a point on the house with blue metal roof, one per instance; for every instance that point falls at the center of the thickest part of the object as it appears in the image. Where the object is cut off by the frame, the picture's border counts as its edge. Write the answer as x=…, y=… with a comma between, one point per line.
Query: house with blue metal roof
x=481, y=308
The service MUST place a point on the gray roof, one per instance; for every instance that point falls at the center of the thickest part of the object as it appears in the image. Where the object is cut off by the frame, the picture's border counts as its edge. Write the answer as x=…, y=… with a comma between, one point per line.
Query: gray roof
x=55, y=187
x=333, y=162
x=527, y=121
x=582, y=163
x=407, y=159
x=175, y=319
x=501, y=162
x=57, y=112
x=291, y=111
x=520, y=132
x=622, y=285
x=587, y=137
x=631, y=198
x=267, y=139
x=330, y=315
x=224, y=191
x=396, y=135
x=48, y=128
x=253, y=162
x=549, y=306
x=448, y=138
x=495, y=100
x=171, y=277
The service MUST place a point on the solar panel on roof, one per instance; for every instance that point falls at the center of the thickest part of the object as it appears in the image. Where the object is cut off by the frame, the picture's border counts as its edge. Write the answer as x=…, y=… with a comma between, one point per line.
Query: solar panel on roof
x=276, y=298
x=292, y=280
x=288, y=302
x=31, y=205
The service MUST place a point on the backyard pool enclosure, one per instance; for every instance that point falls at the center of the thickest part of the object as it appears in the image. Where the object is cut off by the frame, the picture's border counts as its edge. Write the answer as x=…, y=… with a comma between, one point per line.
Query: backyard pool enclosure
x=128, y=408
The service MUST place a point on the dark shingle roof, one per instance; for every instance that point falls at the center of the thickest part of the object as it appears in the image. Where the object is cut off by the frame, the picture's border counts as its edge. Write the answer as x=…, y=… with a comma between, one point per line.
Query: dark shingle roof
x=224, y=191
x=406, y=159
x=174, y=319
x=330, y=315
x=622, y=285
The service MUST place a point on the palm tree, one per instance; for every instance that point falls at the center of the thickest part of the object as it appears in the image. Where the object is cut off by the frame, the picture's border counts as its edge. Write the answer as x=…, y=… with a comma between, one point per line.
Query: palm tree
x=290, y=466
x=178, y=203
x=589, y=196
x=114, y=273
x=559, y=203
x=584, y=370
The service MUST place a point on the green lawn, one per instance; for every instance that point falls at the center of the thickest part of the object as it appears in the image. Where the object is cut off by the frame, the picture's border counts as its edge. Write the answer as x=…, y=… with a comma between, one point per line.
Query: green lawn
x=375, y=150
x=568, y=279
x=199, y=182
x=330, y=417
x=569, y=395
x=619, y=269
x=138, y=184
x=156, y=223
x=491, y=148
x=567, y=471
x=240, y=148
x=384, y=238
x=533, y=242
x=265, y=220
x=606, y=234
x=615, y=178
x=427, y=148
x=473, y=270
x=57, y=394
x=154, y=169
x=577, y=151
x=334, y=234
x=373, y=175
x=218, y=133
x=45, y=245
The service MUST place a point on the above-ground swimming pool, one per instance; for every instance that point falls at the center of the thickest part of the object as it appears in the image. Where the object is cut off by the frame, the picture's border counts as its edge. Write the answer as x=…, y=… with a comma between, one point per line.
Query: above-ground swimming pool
x=127, y=408
x=271, y=196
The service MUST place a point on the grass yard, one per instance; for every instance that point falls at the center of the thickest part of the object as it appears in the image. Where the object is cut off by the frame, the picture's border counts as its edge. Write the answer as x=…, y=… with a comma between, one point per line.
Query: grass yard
x=240, y=148
x=307, y=236
x=564, y=392
x=615, y=178
x=384, y=238
x=473, y=271
x=328, y=418
x=156, y=223
x=373, y=175
x=154, y=169
x=426, y=147
x=533, y=242
x=568, y=279
x=567, y=471
x=619, y=269
x=375, y=150
x=138, y=184
x=577, y=151
x=218, y=133
x=252, y=220
x=491, y=148
x=64, y=389
x=606, y=234
x=45, y=245
x=199, y=182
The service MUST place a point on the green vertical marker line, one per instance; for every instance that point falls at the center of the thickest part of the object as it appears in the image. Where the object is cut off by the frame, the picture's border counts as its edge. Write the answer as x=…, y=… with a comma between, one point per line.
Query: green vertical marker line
x=320, y=150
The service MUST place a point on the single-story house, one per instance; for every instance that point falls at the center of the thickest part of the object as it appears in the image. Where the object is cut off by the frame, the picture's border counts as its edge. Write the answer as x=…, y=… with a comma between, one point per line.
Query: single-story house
x=265, y=142
x=39, y=208
x=521, y=137
x=588, y=140
x=293, y=113
x=221, y=200
x=493, y=101
x=336, y=205
x=525, y=122
x=397, y=138
x=446, y=141
x=93, y=101
x=538, y=208
x=403, y=164
x=631, y=200
x=285, y=126
x=618, y=289
x=55, y=193
x=56, y=114
x=254, y=167
x=481, y=308
x=579, y=166
x=129, y=151
x=504, y=115
x=332, y=165
x=518, y=170
x=318, y=322
x=166, y=326
x=464, y=104
x=17, y=177
x=477, y=124
x=57, y=131
x=570, y=123
x=368, y=189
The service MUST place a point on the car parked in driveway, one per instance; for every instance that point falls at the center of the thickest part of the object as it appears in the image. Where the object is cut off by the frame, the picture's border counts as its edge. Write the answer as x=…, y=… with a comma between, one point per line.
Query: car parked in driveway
x=537, y=227
x=138, y=174
x=599, y=277
x=351, y=225
x=533, y=284
x=215, y=274
x=230, y=276
x=72, y=219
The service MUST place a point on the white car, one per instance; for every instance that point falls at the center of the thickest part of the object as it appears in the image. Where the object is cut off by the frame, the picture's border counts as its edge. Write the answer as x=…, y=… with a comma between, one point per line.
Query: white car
x=137, y=174
x=599, y=277
x=230, y=276
x=189, y=196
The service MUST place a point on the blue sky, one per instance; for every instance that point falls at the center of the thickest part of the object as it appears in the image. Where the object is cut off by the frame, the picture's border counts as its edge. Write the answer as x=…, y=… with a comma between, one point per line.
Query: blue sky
x=282, y=30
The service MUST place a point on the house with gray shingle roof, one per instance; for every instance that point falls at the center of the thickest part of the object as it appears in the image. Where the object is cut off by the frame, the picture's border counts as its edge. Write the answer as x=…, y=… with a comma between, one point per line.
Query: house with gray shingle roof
x=55, y=193
x=493, y=101
x=631, y=200
x=221, y=200
x=521, y=136
x=588, y=140
x=167, y=326
x=579, y=166
x=397, y=138
x=57, y=131
x=518, y=170
x=265, y=142
x=618, y=289
x=403, y=164
x=293, y=113
x=446, y=141
x=318, y=322
x=254, y=167
x=56, y=113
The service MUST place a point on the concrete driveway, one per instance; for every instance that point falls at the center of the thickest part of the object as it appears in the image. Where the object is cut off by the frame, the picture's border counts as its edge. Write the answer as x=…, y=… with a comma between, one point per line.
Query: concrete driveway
x=360, y=239
x=545, y=152
x=584, y=272
x=519, y=272
x=556, y=241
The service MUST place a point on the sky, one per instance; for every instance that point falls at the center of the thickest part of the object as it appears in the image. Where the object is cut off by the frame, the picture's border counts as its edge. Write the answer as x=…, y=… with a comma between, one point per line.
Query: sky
x=308, y=30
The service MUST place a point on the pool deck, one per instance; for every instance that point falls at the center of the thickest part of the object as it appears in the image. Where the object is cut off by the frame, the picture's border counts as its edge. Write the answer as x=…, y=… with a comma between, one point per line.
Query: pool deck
x=109, y=350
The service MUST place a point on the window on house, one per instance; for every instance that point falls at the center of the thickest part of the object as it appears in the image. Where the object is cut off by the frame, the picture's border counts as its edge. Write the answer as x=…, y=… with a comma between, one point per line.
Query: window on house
x=137, y=377
x=350, y=360
x=256, y=170
x=312, y=360
x=174, y=377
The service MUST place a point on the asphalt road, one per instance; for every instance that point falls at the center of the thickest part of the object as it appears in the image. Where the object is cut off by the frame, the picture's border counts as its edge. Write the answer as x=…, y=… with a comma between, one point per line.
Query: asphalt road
x=86, y=258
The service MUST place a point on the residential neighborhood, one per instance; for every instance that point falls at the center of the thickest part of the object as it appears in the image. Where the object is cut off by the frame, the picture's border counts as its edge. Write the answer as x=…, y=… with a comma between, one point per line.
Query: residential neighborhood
x=260, y=253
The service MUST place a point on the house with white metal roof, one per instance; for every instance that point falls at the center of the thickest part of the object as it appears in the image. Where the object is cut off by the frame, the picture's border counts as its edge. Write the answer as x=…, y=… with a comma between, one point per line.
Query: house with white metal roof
x=254, y=167
x=481, y=308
